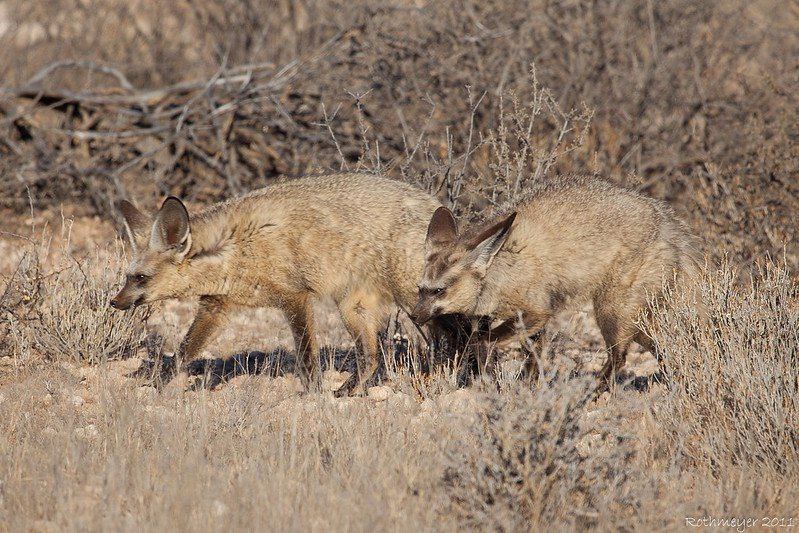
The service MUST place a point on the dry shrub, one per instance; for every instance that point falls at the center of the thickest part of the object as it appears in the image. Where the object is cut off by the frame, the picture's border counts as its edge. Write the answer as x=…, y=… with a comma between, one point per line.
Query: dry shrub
x=62, y=311
x=525, y=463
x=530, y=136
x=694, y=101
x=734, y=398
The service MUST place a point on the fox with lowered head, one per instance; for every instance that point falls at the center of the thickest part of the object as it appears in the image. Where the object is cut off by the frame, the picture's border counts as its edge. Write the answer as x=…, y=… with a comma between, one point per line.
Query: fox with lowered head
x=355, y=238
x=573, y=240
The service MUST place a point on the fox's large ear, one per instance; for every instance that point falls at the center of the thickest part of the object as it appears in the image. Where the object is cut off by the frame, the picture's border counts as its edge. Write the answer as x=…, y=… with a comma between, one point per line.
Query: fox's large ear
x=485, y=245
x=136, y=223
x=442, y=229
x=171, y=228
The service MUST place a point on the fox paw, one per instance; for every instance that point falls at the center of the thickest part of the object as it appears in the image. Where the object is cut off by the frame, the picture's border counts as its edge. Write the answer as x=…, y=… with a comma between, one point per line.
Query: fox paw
x=197, y=367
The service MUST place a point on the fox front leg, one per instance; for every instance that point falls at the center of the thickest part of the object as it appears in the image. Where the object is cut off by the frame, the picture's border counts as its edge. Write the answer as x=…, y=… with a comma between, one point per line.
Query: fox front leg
x=526, y=326
x=211, y=314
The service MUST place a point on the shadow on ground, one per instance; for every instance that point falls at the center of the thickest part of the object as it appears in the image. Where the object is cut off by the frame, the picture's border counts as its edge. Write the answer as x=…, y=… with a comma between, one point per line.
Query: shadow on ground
x=280, y=362
x=277, y=362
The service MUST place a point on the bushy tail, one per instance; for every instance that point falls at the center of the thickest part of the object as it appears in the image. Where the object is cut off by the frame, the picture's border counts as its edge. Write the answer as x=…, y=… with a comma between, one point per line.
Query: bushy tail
x=692, y=268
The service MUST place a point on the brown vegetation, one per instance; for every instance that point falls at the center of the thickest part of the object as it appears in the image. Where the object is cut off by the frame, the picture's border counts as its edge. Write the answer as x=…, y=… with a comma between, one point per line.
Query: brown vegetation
x=692, y=102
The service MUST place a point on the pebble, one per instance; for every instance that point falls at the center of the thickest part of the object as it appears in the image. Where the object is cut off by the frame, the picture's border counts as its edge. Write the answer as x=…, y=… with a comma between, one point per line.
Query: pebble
x=380, y=393
x=88, y=432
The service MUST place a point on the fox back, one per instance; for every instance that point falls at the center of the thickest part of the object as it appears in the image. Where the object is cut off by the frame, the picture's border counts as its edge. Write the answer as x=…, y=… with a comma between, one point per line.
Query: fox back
x=322, y=234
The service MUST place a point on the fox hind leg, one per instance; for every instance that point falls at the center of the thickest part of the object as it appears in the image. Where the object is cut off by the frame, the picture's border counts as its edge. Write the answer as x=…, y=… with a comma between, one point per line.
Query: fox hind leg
x=364, y=314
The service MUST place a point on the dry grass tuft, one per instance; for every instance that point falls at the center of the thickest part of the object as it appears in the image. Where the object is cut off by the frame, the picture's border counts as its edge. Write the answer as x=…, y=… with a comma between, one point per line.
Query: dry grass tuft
x=61, y=311
x=734, y=398
x=526, y=462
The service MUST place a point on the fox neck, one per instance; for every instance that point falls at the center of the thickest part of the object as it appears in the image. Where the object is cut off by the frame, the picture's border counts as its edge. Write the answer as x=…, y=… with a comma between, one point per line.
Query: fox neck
x=207, y=266
x=206, y=276
x=488, y=298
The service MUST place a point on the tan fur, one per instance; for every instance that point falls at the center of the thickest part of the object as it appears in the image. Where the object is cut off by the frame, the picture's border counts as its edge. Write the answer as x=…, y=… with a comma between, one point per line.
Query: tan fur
x=574, y=240
x=355, y=238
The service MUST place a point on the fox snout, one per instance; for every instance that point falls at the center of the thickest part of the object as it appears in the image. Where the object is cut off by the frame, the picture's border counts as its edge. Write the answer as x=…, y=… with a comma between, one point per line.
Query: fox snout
x=422, y=312
x=124, y=300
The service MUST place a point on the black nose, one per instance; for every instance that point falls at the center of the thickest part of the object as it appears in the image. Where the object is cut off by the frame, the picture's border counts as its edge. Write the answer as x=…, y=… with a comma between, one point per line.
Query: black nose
x=419, y=316
x=116, y=305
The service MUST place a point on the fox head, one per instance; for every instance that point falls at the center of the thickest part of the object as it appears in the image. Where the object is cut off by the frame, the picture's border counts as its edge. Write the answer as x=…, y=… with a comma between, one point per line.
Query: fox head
x=160, y=245
x=456, y=265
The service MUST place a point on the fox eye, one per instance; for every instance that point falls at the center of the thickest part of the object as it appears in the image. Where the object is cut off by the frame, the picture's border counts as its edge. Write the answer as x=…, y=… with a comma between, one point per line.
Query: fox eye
x=433, y=292
x=138, y=278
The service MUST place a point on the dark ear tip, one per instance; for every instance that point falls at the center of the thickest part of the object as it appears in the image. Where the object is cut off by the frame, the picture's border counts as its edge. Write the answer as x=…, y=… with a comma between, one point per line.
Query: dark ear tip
x=442, y=213
x=443, y=222
x=174, y=201
x=170, y=199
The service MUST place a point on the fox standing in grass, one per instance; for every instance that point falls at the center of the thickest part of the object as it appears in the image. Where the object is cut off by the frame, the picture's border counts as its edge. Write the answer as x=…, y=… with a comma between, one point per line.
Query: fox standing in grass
x=355, y=238
x=573, y=240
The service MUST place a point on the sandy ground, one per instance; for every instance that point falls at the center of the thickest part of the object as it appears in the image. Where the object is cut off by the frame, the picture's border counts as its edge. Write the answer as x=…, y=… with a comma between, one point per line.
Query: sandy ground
x=59, y=411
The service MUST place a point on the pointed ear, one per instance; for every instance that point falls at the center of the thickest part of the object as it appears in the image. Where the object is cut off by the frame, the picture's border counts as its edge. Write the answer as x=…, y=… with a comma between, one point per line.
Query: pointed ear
x=171, y=227
x=442, y=229
x=485, y=245
x=136, y=223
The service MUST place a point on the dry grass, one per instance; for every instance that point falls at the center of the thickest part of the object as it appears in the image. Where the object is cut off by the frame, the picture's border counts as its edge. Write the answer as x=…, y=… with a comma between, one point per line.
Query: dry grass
x=733, y=373
x=88, y=448
x=64, y=314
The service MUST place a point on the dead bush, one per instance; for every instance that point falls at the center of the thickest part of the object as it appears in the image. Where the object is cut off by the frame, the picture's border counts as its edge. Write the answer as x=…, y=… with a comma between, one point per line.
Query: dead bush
x=693, y=101
x=734, y=390
x=525, y=463
x=62, y=312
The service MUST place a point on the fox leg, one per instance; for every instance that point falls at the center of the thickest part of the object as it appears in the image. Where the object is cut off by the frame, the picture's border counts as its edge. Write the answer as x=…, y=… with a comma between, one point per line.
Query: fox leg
x=364, y=314
x=528, y=325
x=211, y=314
x=618, y=331
x=299, y=314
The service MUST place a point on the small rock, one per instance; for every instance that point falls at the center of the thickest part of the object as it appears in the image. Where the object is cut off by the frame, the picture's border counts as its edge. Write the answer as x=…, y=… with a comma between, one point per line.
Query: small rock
x=219, y=508
x=344, y=404
x=77, y=401
x=401, y=400
x=459, y=401
x=380, y=393
x=332, y=380
x=89, y=432
x=146, y=393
